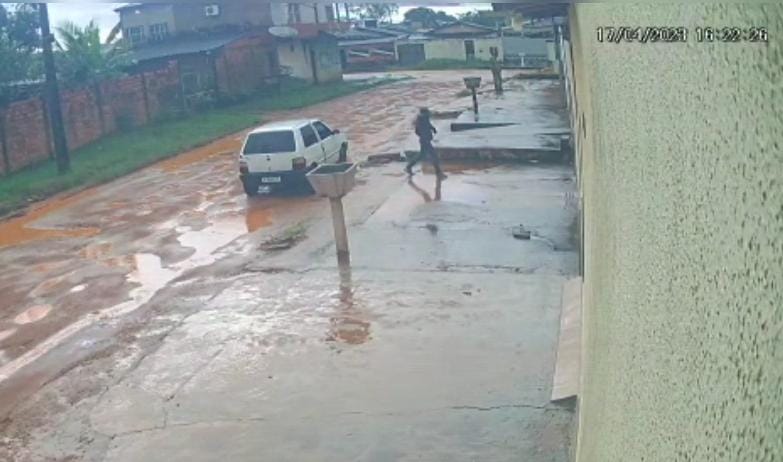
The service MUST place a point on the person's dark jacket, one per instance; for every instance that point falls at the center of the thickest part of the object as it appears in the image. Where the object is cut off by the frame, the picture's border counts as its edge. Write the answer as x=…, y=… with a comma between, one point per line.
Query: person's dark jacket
x=424, y=129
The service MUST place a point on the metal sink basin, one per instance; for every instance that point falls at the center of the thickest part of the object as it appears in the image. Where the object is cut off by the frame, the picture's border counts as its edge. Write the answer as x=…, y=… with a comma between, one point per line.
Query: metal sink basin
x=333, y=180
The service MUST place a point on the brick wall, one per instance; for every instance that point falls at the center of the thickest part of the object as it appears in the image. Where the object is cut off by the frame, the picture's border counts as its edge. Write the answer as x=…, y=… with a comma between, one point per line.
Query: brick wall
x=243, y=65
x=89, y=113
x=25, y=131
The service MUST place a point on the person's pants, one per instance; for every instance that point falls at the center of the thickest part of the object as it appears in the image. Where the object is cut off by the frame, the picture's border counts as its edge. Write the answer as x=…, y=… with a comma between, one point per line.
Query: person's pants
x=426, y=150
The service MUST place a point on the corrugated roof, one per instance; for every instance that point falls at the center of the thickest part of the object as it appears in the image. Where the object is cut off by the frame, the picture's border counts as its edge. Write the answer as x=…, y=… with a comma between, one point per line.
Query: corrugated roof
x=186, y=45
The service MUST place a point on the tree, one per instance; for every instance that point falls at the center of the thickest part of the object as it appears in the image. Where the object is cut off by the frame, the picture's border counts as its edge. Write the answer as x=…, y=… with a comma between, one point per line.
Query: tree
x=19, y=43
x=83, y=59
x=485, y=18
x=379, y=11
x=428, y=17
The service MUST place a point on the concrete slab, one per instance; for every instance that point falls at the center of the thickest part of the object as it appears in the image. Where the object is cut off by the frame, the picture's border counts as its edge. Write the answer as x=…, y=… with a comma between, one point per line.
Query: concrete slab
x=383, y=364
x=569, y=346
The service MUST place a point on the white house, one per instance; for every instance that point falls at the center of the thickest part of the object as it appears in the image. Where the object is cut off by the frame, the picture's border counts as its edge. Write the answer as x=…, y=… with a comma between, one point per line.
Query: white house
x=458, y=40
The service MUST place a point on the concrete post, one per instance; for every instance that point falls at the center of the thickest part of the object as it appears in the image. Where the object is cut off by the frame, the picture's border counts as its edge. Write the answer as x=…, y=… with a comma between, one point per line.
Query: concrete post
x=340, y=232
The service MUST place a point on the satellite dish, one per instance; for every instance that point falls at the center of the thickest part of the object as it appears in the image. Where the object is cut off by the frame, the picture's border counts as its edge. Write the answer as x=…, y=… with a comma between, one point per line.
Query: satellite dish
x=283, y=31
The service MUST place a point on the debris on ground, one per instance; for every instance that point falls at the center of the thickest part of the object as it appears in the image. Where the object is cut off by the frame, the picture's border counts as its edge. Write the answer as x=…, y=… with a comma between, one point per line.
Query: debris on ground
x=289, y=238
x=519, y=232
x=385, y=158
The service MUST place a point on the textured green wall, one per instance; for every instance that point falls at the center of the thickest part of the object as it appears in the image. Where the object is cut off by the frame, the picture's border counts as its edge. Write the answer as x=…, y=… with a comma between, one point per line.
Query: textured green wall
x=682, y=179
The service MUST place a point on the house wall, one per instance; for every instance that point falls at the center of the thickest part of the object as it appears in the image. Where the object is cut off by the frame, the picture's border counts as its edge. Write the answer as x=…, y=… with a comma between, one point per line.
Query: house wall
x=146, y=15
x=188, y=17
x=279, y=13
x=191, y=17
x=453, y=48
x=681, y=178
x=243, y=66
x=295, y=55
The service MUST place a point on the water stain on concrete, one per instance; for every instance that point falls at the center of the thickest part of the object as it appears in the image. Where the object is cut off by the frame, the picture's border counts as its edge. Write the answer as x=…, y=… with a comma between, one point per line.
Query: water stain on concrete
x=32, y=314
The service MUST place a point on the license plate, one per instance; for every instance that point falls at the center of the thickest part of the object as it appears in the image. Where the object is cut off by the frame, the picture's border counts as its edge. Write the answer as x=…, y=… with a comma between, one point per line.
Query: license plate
x=270, y=179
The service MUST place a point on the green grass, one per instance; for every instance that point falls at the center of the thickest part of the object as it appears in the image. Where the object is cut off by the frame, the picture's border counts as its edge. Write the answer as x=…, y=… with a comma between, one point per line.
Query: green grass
x=119, y=154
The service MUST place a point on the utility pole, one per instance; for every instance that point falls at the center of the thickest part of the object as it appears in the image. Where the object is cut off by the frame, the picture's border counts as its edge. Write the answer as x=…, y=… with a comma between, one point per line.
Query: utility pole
x=53, y=94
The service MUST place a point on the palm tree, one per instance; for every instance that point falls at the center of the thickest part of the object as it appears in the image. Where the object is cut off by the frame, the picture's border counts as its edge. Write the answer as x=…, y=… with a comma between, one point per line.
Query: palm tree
x=83, y=59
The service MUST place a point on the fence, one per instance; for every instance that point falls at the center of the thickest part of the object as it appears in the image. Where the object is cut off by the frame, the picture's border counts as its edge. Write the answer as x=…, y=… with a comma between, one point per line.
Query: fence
x=89, y=113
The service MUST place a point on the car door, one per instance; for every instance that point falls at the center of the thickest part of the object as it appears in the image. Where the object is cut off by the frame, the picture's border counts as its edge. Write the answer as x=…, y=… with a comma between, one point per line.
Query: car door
x=330, y=142
x=312, y=149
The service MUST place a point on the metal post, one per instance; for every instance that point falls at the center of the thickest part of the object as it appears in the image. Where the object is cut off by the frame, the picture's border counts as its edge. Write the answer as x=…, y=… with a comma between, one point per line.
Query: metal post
x=475, y=103
x=53, y=94
x=340, y=232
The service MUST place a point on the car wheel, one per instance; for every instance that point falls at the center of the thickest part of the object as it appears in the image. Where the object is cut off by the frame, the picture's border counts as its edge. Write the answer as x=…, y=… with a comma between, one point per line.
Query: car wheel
x=343, y=153
x=250, y=187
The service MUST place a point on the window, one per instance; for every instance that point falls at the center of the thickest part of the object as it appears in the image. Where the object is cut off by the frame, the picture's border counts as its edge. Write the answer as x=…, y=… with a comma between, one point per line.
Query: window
x=308, y=136
x=323, y=130
x=135, y=34
x=159, y=31
x=270, y=143
x=294, y=14
x=329, y=13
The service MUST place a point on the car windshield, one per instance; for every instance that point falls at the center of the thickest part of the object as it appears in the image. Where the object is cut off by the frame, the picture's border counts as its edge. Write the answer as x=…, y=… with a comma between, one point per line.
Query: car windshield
x=270, y=143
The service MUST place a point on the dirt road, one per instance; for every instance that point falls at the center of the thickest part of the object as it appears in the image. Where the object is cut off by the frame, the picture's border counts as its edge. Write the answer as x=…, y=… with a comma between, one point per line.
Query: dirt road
x=91, y=252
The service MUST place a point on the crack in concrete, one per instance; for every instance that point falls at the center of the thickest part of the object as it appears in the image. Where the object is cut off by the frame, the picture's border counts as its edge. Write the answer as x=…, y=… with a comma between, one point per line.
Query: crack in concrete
x=353, y=413
x=193, y=375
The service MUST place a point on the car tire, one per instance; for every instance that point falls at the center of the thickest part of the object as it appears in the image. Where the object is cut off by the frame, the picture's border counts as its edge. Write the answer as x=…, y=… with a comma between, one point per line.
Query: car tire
x=343, y=153
x=250, y=187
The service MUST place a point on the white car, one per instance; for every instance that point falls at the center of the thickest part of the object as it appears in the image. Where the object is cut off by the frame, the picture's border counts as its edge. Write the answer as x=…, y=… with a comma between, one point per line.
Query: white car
x=281, y=153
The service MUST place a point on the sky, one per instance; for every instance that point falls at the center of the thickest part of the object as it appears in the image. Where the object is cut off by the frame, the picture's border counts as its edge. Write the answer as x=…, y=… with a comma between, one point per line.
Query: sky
x=104, y=16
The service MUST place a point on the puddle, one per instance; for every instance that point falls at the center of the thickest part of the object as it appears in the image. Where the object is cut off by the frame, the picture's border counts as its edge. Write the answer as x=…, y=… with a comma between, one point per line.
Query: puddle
x=19, y=230
x=348, y=326
x=32, y=314
x=257, y=217
x=150, y=274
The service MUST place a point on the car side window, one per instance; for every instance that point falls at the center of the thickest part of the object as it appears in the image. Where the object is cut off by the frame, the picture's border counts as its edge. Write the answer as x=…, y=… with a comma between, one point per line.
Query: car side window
x=308, y=136
x=323, y=130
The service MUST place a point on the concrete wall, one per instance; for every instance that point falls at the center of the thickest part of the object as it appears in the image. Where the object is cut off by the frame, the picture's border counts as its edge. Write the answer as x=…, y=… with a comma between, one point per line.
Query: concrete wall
x=455, y=48
x=682, y=177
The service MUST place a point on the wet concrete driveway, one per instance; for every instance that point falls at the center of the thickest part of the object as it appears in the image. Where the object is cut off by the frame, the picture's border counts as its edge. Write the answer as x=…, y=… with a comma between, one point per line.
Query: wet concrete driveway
x=162, y=331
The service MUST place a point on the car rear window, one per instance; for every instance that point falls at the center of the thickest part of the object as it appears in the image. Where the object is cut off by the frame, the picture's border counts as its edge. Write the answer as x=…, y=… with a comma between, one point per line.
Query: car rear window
x=270, y=143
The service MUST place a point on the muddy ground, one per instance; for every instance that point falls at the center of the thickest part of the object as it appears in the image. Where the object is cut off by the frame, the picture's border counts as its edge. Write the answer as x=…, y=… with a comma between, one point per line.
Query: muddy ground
x=151, y=319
